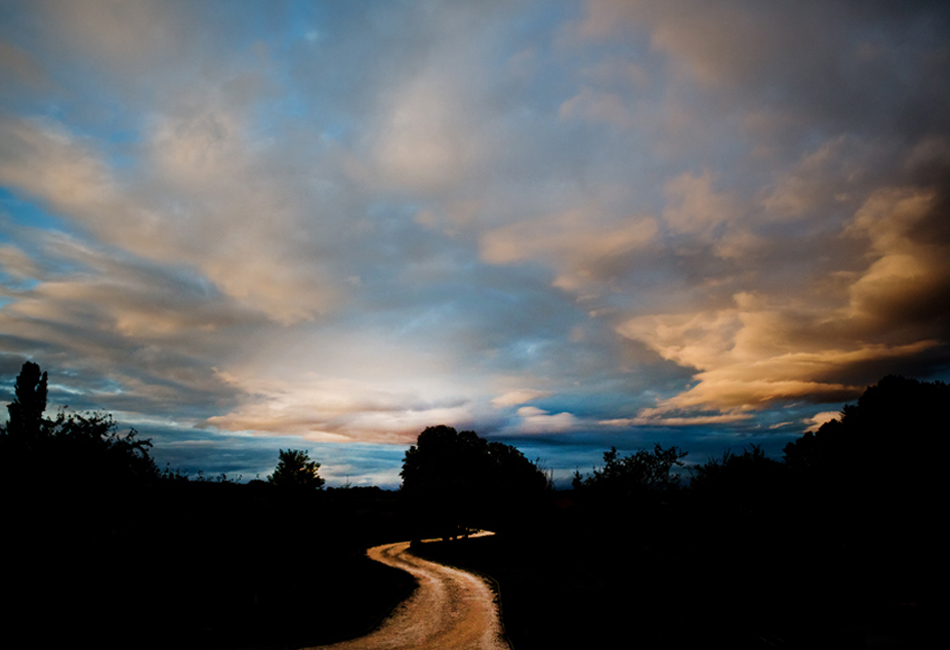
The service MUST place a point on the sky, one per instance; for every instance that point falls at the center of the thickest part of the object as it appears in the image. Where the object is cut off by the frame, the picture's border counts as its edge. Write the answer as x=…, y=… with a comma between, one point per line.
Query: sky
x=244, y=227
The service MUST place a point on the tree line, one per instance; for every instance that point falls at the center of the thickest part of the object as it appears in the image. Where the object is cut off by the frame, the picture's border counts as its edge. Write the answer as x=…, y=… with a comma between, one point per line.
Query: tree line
x=793, y=538
x=99, y=545
x=840, y=543
x=77, y=448
x=875, y=448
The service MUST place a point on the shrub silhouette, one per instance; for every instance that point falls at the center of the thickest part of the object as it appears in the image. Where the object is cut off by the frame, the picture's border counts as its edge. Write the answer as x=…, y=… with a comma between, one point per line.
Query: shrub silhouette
x=632, y=477
x=749, y=479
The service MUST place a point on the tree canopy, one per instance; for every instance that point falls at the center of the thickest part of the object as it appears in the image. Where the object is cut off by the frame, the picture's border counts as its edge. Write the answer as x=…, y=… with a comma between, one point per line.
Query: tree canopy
x=884, y=440
x=26, y=409
x=460, y=479
x=296, y=471
x=74, y=448
x=633, y=476
x=745, y=482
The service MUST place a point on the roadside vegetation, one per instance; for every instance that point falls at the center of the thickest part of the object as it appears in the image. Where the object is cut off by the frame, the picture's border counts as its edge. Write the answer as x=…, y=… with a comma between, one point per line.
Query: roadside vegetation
x=99, y=545
x=839, y=544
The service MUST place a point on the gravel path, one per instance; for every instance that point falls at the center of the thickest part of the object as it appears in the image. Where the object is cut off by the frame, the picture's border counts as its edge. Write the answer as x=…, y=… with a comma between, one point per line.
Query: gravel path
x=450, y=610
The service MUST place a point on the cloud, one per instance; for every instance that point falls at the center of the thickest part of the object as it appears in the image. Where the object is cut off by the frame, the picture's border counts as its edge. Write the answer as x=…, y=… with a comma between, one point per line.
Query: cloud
x=827, y=178
x=16, y=263
x=535, y=420
x=617, y=71
x=819, y=419
x=577, y=243
x=908, y=276
x=21, y=66
x=117, y=331
x=120, y=33
x=514, y=397
x=596, y=107
x=224, y=224
x=424, y=143
x=692, y=206
x=41, y=158
x=695, y=211
x=646, y=214
x=745, y=359
x=336, y=410
x=660, y=416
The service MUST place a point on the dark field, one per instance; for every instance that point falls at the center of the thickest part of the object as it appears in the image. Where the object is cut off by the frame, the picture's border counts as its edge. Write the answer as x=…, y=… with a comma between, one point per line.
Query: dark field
x=669, y=587
x=201, y=565
x=218, y=565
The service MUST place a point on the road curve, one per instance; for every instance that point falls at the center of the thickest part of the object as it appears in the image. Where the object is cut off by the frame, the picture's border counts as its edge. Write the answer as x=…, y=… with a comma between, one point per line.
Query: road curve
x=451, y=609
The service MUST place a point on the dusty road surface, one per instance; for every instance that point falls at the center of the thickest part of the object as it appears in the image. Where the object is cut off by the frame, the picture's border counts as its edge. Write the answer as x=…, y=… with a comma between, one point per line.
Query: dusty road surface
x=451, y=610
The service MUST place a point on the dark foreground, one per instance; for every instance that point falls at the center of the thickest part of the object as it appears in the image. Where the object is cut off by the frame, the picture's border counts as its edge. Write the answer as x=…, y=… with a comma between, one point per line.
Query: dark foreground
x=198, y=565
x=673, y=585
x=218, y=565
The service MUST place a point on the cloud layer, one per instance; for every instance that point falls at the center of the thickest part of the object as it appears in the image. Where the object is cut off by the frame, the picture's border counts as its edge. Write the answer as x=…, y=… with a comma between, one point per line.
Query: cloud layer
x=550, y=222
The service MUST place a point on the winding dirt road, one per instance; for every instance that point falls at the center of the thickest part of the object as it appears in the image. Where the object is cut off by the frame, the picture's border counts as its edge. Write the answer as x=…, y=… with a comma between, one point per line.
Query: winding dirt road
x=451, y=609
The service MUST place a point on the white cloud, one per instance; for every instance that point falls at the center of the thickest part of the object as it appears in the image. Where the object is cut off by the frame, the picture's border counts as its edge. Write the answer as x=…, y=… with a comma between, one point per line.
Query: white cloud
x=520, y=396
x=535, y=420
x=323, y=409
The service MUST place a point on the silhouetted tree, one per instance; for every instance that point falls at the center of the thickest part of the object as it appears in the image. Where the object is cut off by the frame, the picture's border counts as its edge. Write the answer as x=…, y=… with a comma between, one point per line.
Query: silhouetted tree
x=441, y=476
x=74, y=489
x=75, y=449
x=745, y=483
x=93, y=445
x=459, y=479
x=26, y=409
x=869, y=483
x=636, y=475
x=511, y=474
x=295, y=470
x=443, y=461
x=737, y=474
x=878, y=444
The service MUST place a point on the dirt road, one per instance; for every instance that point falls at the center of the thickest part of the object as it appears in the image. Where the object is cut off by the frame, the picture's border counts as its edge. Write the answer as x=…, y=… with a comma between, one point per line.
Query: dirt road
x=451, y=609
